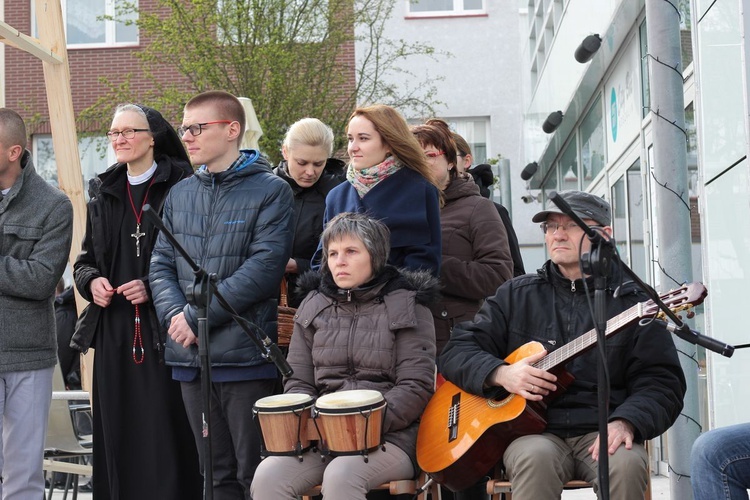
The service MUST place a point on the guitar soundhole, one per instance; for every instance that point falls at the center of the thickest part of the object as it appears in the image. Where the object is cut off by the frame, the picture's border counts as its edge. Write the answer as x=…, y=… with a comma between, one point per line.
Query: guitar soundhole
x=499, y=403
x=453, y=417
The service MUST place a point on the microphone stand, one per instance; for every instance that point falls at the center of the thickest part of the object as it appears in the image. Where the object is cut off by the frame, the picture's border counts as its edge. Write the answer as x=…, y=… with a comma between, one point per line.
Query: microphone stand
x=598, y=265
x=199, y=294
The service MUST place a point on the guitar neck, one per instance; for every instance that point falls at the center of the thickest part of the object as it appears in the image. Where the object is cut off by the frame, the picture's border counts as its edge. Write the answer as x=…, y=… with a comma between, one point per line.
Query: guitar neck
x=586, y=341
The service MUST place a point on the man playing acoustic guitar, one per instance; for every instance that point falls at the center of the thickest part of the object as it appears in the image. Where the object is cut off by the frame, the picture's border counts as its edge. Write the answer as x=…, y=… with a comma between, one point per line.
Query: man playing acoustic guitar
x=551, y=307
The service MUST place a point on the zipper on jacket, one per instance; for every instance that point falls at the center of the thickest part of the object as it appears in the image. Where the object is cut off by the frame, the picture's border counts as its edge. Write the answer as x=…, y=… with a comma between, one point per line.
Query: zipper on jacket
x=573, y=286
x=210, y=219
x=352, y=330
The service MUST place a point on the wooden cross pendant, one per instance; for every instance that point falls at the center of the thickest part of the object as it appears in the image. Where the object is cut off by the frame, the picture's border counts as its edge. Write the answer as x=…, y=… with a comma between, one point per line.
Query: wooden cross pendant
x=137, y=235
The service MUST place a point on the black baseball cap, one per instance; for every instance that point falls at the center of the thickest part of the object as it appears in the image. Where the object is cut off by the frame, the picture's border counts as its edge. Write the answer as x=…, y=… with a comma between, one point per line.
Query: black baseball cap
x=584, y=205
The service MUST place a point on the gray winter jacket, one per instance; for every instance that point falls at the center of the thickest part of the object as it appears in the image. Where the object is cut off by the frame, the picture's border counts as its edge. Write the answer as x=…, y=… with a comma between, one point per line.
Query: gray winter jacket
x=238, y=225
x=36, y=224
x=379, y=337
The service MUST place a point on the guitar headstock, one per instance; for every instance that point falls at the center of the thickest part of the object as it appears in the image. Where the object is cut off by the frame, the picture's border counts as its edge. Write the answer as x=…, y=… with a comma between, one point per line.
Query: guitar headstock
x=680, y=299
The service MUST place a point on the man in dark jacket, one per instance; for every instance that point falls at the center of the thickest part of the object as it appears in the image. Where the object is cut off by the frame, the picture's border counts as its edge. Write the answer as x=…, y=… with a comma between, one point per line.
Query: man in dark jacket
x=646, y=382
x=36, y=226
x=235, y=219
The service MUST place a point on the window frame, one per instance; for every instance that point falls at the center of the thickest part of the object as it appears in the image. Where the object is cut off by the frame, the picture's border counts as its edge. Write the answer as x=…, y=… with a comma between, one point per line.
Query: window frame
x=110, y=28
x=457, y=11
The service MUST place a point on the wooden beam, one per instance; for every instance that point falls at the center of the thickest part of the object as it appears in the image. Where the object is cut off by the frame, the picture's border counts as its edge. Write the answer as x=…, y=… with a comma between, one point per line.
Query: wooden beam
x=49, y=21
x=11, y=36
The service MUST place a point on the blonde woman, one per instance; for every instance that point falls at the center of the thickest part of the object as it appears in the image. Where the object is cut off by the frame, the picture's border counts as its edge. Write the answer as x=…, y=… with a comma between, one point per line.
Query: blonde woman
x=311, y=173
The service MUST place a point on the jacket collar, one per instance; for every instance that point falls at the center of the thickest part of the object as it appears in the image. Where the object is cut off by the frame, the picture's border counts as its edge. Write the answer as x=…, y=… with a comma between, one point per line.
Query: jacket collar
x=27, y=171
x=250, y=162
x=461, y=187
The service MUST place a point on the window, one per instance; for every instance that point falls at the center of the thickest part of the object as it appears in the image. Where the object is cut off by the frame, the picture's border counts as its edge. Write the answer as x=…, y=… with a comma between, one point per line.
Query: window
x=86, y=26
x=568, y=167
x=592, y=142
x=645, y=84
x=445, y=7
x=95, y=152
x=475, y=131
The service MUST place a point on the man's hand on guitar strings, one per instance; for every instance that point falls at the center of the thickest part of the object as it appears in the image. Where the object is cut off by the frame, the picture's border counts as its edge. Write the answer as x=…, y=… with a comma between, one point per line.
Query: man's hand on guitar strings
x=524, y=379
x=619, y=432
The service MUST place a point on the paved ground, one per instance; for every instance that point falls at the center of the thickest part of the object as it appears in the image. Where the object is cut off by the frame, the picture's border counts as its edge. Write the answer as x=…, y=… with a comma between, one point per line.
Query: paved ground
x=659, y=491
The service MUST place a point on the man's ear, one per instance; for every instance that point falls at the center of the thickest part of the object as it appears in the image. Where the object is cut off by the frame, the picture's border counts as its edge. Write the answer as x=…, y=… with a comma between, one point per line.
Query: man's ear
x=15, y=152
x=234, y=130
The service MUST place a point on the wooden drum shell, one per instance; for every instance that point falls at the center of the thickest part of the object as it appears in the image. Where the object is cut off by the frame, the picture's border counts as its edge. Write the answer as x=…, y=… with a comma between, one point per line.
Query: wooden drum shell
x=350, y=425
x=283, y=420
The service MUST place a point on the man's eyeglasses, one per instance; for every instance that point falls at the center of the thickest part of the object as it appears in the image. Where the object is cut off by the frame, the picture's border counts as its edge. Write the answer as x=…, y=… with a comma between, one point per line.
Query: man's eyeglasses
x=128, y=133
x=552, y=227
x=433, y=154
x=196, y=128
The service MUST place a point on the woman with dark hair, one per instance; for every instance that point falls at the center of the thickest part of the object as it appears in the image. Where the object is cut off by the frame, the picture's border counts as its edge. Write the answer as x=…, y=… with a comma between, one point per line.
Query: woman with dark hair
x=364, y=326
x=390, y=179
x=143, y=447
x=311, y=173
x=484, y=178
x=476, y=257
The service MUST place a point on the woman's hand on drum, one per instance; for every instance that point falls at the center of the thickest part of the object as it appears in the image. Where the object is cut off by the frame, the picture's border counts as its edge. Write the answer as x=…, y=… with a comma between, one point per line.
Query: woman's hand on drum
x=180, y=331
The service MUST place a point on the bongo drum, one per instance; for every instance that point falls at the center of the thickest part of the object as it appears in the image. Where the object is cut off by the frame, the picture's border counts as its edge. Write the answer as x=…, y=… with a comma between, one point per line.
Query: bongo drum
x=350, y=422
x=283, y=421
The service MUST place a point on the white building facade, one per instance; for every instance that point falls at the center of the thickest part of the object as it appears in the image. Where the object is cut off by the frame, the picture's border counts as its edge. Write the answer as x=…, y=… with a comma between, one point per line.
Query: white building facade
x=512, y=64
x=604, y=145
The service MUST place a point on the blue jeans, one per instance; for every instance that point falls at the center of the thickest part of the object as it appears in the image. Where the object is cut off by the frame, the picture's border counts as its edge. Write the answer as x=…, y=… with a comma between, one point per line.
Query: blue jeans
x=720, y=464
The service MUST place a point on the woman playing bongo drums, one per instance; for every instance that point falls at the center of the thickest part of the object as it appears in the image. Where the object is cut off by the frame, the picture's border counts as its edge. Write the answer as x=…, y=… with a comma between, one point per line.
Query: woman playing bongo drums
x=364, y=328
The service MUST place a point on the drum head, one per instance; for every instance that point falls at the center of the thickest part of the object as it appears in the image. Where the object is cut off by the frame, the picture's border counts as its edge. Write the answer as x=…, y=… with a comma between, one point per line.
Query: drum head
x=283, y=402
x=343, y=400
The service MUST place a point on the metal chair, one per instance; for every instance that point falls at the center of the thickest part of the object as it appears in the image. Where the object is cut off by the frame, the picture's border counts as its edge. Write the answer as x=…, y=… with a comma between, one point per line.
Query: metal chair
x=63, y=450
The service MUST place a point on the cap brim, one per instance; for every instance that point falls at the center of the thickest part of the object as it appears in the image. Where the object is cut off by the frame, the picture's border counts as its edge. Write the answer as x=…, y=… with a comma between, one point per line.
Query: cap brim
x=542, y=216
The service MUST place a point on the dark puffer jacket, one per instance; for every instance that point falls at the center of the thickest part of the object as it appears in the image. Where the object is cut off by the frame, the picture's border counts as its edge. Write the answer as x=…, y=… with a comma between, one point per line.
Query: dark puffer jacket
x=476, y=257
x=646, y=381
x=309, y=208
x=379, y=336
x=238, y=225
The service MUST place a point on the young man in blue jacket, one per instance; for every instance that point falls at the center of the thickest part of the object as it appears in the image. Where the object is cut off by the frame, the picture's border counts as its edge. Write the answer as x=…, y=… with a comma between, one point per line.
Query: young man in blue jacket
x=234, y=217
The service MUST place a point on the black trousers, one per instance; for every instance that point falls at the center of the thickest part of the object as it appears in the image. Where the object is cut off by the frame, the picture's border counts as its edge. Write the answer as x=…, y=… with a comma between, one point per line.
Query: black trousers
x=235, y=439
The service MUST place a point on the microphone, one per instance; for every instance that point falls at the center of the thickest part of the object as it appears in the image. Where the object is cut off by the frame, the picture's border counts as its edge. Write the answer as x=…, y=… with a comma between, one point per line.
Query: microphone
x=689, y=335
x=529, y=170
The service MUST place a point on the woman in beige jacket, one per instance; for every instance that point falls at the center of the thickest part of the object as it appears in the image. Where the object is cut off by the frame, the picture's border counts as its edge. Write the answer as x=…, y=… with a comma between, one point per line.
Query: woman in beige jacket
x=364, y=325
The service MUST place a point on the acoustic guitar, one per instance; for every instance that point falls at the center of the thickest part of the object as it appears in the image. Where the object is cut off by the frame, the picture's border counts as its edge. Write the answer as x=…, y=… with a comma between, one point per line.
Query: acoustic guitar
x=462, y=436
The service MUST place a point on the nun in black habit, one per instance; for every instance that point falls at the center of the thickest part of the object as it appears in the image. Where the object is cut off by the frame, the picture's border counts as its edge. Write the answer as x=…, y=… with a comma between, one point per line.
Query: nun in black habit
x=143, y=446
